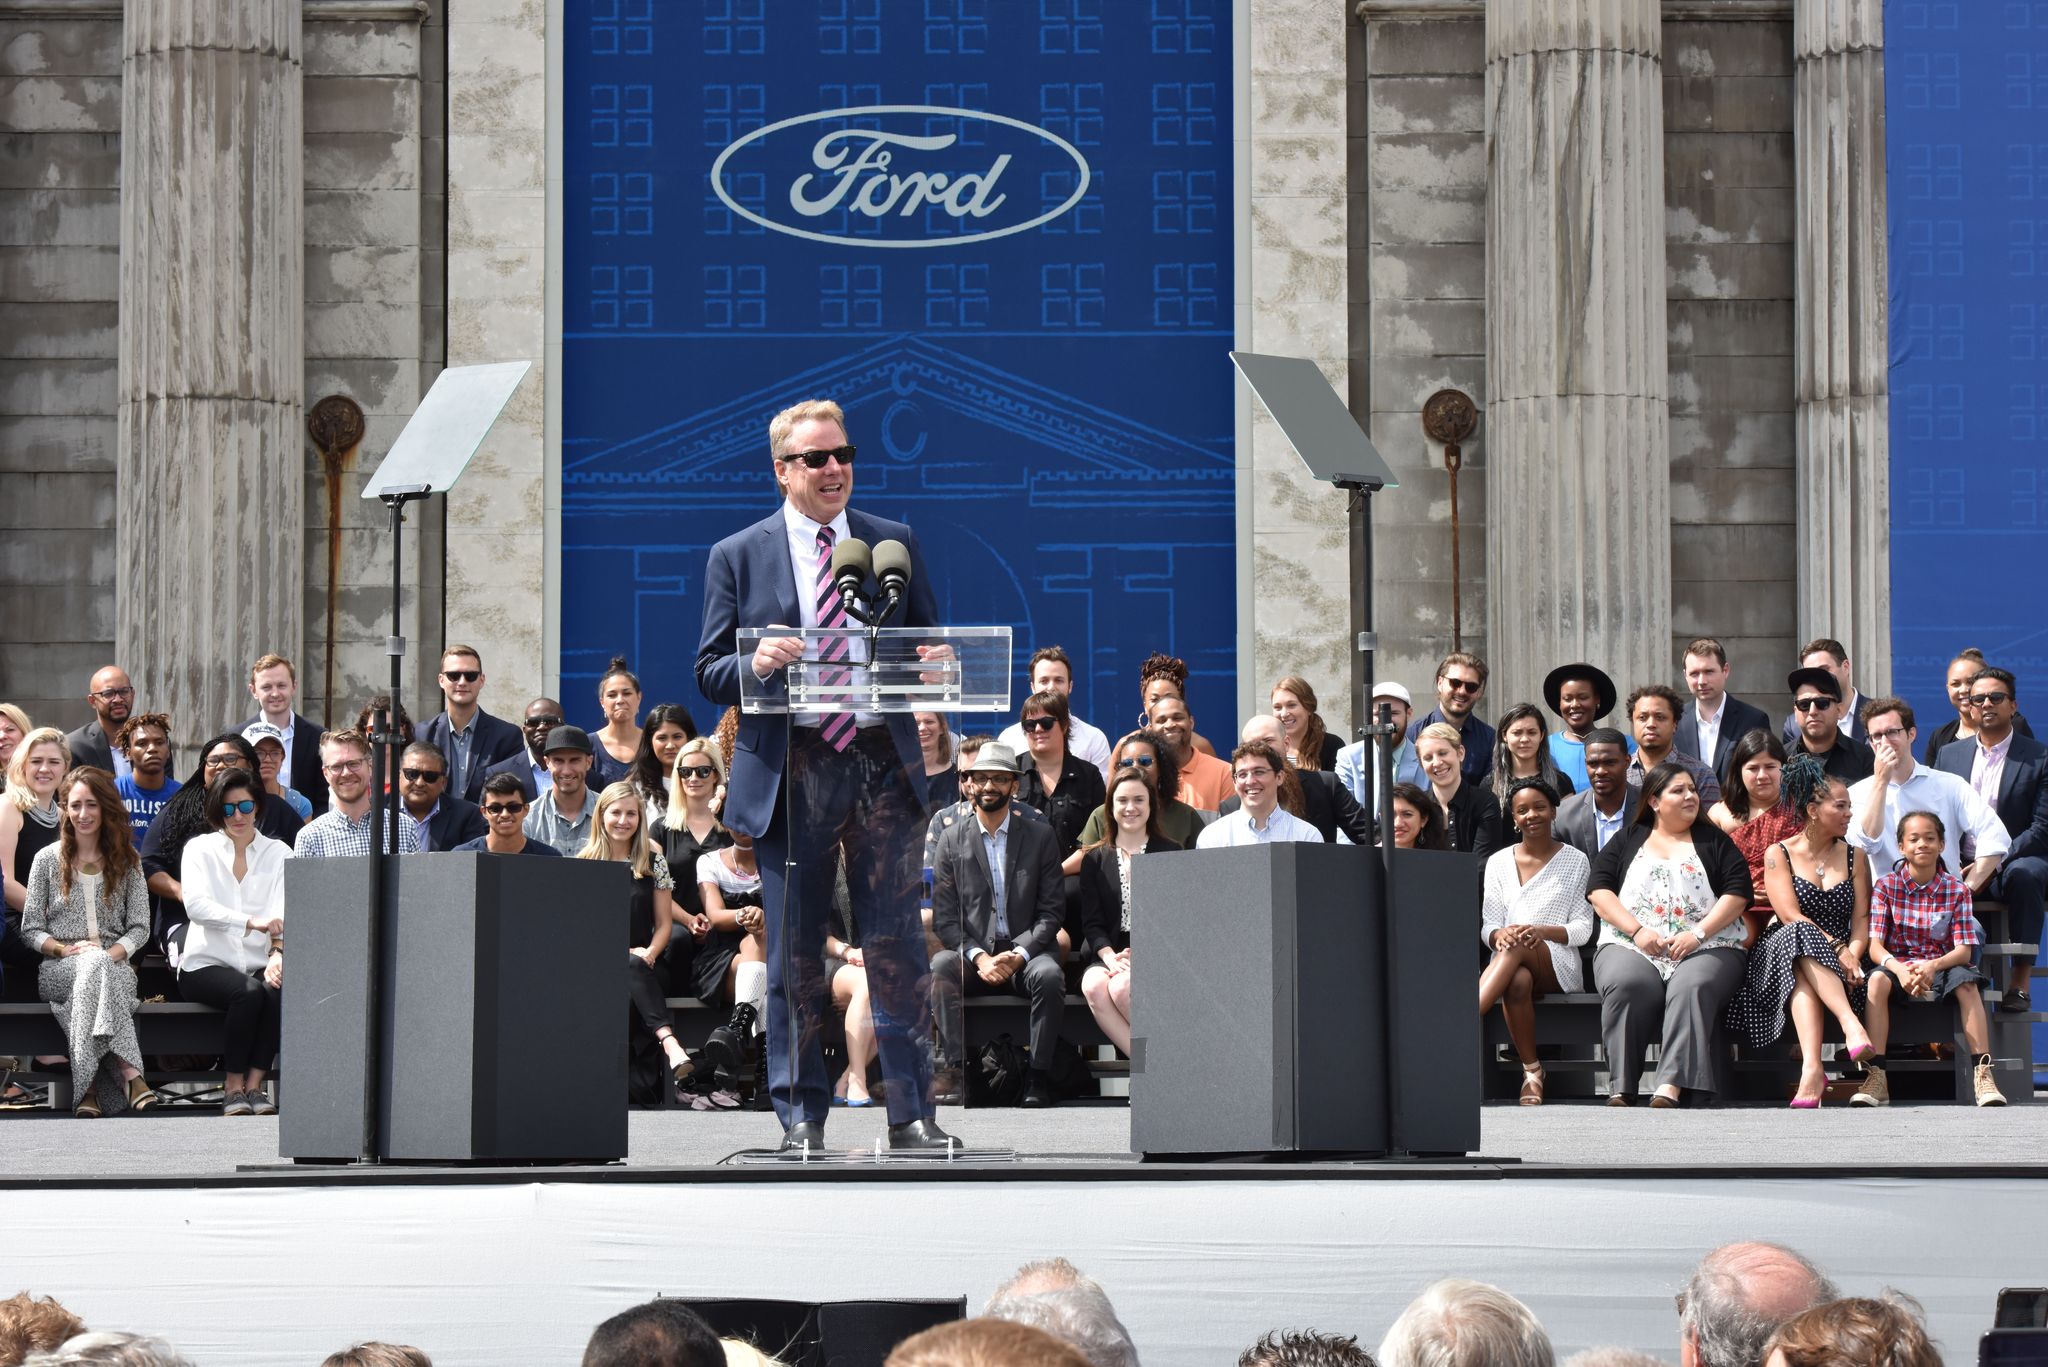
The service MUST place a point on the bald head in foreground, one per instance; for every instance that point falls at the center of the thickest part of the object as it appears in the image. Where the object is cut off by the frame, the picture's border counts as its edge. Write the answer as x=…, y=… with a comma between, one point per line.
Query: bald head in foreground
x=1737, y=1298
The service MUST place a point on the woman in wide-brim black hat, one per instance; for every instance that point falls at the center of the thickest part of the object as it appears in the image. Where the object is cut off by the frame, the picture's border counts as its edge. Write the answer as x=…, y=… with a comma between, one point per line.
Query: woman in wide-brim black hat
x=1580, y=694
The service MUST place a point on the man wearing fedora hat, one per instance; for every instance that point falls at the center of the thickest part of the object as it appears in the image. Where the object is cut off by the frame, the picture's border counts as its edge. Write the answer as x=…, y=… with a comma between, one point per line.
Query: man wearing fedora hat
x=1581, y=695
x=997, y=898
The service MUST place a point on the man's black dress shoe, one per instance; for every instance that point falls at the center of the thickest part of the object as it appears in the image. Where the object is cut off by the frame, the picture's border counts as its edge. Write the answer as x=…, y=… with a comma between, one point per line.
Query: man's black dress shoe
x=1037, y=1090
x=921, y=1134
x=804, y=1134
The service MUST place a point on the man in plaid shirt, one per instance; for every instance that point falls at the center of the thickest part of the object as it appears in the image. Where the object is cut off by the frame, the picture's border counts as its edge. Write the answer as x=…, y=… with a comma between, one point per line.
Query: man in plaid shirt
x=344, y=828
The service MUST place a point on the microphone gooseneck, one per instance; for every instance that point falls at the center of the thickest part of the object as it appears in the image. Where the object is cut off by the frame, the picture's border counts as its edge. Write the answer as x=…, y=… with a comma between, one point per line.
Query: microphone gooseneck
x=892, y=575
x=850, y=559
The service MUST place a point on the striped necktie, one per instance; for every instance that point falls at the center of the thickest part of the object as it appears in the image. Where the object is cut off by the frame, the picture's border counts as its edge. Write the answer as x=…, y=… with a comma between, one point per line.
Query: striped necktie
x=838, y=727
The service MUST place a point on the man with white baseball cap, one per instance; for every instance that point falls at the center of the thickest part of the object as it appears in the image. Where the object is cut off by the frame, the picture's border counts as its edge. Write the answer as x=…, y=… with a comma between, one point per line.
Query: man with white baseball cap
x=1357, y=764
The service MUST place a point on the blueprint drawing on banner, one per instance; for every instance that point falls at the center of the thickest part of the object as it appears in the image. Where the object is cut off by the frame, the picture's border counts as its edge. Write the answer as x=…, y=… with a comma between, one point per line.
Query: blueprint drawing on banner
x=998, y=232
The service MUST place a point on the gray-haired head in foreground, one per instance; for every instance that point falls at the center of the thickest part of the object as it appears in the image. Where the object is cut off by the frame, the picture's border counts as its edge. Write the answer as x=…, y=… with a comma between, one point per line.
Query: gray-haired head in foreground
x=1738, y=1296
x=1611, y=1357
x=1053, y=1295
x=1305, y=1348
x=109, y=1350
x=1458, y=1323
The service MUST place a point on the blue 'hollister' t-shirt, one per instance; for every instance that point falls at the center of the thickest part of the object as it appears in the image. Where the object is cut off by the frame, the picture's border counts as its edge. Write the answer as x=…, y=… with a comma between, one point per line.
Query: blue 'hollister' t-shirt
x=143, y=803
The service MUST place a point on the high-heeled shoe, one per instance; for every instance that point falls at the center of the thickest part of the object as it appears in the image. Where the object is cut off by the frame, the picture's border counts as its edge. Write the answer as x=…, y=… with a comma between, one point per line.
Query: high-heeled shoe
x=1860, y=1052
x=1532, y=1084
x=140, y=1095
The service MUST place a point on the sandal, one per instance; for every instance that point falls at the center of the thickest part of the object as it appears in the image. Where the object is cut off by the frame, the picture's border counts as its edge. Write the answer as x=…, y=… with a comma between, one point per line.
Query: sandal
x=1532, y=1084
x=140, y=1096
x=88, y=1109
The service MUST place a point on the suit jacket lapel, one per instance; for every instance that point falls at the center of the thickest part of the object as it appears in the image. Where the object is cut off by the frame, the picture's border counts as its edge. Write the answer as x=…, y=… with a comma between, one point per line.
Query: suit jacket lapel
x=783, y=573
x=980, y=852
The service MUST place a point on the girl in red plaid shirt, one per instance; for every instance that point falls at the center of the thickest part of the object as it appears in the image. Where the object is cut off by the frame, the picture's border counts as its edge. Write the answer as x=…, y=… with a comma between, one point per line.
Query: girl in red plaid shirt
x=1922, y=938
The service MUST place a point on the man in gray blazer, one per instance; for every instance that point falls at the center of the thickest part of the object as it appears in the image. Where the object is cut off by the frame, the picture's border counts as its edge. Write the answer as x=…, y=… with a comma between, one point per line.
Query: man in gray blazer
x=997, y=896
x=1587, y=820
x=112, y=697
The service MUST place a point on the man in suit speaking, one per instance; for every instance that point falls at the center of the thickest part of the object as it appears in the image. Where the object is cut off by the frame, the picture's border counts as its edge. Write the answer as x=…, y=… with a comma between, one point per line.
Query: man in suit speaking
x=855, y=784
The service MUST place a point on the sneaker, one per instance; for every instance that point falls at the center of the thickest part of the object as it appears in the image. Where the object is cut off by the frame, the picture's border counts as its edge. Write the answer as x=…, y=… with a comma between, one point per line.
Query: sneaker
x=238, y=1104
x=2017, y=1002
x=260, y=1103
x=1987, y=1085
x=1875, y=1091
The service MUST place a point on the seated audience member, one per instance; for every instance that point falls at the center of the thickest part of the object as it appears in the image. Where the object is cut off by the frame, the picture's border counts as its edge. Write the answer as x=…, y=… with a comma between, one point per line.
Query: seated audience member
x=2009, y=770
x=541, y=717
x=669, y=727
x=14, y=724
x=1054, y=1296
x=1159, y=676
x=111, y=696
x=1305, y=1348
x=1897, y=785
x=690, y=831
x=1052, y=672
x=88, y=916
x=1358, y=764
x=561, y=815
x=1736, y=1298
x=1204, y=779
x=348, y=826
x=445, y=820
x=1923, y=941
x=504, y=813
x=274, y=684
x=618, y=740
x=1653, y=715
x=1962, y=672
x=29, y=822
x=1523, y=751
x=380, y=1354
x=997, y=899
x=660, y=1333
x=1591, y=817
x=1460, y=682
x=1309, y=745
x=1065, y=788
x=731, y=961
x=1178, y=822
x=1716, y=719
x=1105, y=876
x=1581, y=695
x=270, y=765
x=984, y=1343
x=111, y=1350
x=1418, y=820
x=233, y=882
x=1812, y=960
x=470, y=739
x=145, y=738
x=970, y=748
x=1456, y=1323
x=935, y=743
x=619, y=832
x=1830, y=656
x=184, y=818
x=846, y=973
x=1817, y=704
x=1534, y=918
x=401, y=726
x=1858, y=1332
x=1672, y=890
x=30, y=1325
x=1259, y=819
x=1471, y=810
x=1753, y=812
x=1314, y=795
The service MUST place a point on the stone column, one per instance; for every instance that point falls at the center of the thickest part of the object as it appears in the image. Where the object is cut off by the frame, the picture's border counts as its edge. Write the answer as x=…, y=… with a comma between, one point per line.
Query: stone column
x=1844, y=450
x=1578, y=478
x=212, y=374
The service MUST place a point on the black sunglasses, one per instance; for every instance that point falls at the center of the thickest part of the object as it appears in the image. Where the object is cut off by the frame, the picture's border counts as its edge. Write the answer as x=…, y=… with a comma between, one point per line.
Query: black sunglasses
x=1038, y=723
x=815, y=460
x=542, y=723
x=1989, y=699
x=1464, y=685
x=504, y=808
x=695, y=770
x=462, y=675
x=422, y=775
x=1814, y=703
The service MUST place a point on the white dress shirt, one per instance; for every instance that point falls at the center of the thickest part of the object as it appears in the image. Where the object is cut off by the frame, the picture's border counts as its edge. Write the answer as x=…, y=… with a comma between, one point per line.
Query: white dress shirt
x=803, y=560
x=1709, y=727
x=1083, y=741
x=1237, y=829
x=220, y=908
x=1927, y=790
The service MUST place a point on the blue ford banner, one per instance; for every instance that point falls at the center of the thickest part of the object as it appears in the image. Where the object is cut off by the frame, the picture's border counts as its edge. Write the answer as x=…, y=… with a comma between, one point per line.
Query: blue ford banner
x=999, y=234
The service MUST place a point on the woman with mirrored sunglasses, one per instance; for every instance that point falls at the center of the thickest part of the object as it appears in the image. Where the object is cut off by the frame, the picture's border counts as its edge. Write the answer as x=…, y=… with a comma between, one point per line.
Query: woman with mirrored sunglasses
x=233, y=956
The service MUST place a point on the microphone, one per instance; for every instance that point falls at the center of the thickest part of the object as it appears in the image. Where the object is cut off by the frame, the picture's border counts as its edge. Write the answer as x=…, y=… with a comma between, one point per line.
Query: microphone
x=892, y=574
x=850, y=573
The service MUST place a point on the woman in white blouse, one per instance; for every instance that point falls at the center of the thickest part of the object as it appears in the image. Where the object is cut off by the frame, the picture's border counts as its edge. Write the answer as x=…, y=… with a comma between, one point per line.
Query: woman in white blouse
x=234, y=951
x=1535, y=919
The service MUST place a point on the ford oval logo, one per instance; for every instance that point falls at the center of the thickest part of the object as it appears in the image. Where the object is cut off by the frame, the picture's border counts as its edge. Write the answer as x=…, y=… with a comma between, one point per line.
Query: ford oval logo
x=885, y=178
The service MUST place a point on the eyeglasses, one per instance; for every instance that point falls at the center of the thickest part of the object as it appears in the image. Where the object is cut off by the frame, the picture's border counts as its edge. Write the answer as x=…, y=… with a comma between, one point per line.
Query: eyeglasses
x=542, y=723
x=242, y=808
x=423, y=775
x=695, y=770
x=815, y=460
x=1261, y=772
x=1814, y=702
x=113, y=694
x=1889, y=735
x=504, y=808
x=1038, y=723
x=347, y=766
x=1471, y=686
x=1135, y=761
x=1989, y=699
x=462, y=675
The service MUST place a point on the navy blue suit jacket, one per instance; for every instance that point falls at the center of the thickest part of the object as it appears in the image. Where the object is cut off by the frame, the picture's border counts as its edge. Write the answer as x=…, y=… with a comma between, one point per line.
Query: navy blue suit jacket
x=749, y=582
x=2022, y=789
x=456, y=822
x=521, y=767
x=495, y=739
x=1738, y=719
